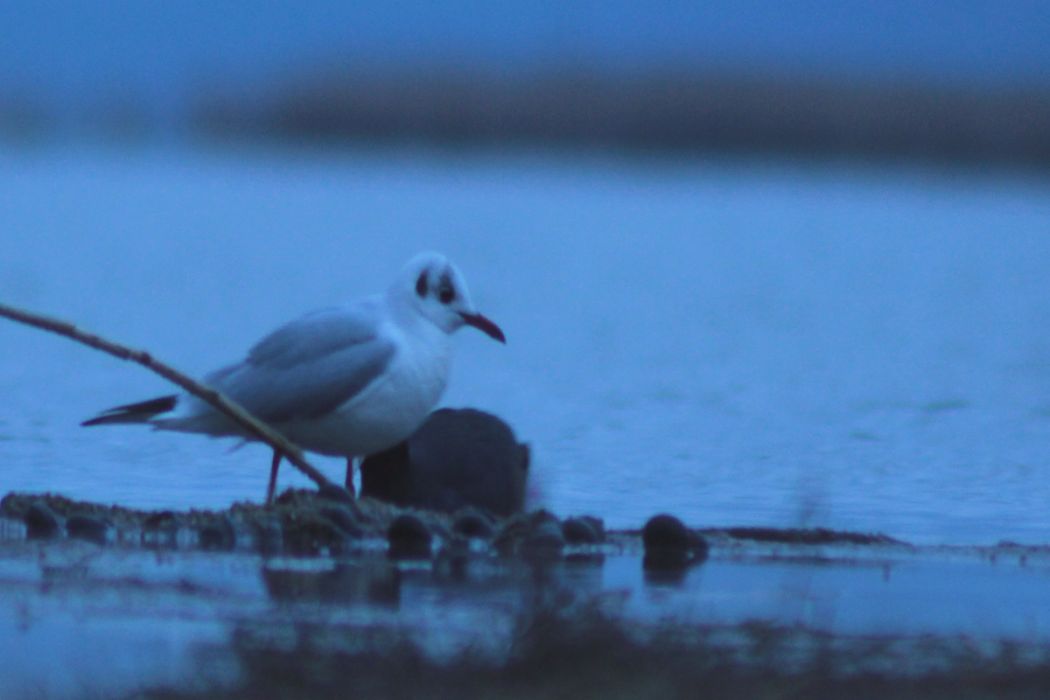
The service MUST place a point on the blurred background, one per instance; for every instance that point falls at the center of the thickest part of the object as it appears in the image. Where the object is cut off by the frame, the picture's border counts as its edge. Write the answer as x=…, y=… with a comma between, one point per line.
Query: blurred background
x=758, y=263
x=964, y=81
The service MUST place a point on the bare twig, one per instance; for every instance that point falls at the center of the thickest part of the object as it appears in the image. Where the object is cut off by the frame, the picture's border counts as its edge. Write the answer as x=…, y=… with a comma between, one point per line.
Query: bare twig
x=222, y=404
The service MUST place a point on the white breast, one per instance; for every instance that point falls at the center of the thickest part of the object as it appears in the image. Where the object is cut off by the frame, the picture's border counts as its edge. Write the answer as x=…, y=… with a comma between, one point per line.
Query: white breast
x=392, y=407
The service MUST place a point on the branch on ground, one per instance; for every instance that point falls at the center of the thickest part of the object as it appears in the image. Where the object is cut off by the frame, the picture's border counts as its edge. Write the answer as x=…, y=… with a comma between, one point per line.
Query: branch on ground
x=220, y=403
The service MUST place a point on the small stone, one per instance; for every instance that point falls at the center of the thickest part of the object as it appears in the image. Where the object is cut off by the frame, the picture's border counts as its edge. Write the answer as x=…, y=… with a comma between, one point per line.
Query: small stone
x=41, y=522
x=517, y=532
x=665, y=531
x=543, y=536
x=585, y=529
x=536, y=517
x=544, y=539
x=471, y=522
x=669, y=545
x=87, y=527
x=409, y=538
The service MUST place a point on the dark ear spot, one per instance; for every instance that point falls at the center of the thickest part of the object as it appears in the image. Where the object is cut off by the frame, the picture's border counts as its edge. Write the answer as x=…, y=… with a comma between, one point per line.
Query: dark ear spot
x=446, y=292
x=421, y=284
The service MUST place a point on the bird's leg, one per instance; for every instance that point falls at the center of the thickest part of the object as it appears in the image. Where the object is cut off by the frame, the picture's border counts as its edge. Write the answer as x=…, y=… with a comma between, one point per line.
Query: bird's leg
x=350, y=475
x=273, y=476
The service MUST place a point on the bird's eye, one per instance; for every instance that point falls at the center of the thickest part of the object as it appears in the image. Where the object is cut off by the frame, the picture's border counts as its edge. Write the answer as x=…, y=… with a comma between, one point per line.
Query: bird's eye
x=421, y=284
x=446, y=292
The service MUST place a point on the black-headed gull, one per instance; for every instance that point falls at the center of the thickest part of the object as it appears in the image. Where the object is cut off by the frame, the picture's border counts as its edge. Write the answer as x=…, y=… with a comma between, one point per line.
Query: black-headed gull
x=348, y=381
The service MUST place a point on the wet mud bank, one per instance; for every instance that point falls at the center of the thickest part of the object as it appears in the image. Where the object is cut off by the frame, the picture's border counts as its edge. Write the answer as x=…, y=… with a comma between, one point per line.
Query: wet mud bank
x=333, y=522
x=320, y=592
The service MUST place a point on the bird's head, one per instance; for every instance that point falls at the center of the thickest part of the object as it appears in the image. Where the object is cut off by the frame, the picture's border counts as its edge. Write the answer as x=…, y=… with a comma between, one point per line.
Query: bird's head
x=434, y=287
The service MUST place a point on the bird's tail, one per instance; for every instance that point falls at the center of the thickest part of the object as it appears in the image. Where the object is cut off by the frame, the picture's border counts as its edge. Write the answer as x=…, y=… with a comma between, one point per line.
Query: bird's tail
x=142, y=412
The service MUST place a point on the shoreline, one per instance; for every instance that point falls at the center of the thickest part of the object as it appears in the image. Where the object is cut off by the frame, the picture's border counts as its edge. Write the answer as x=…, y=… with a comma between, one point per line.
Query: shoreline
x=695, y=111
x=508, y=614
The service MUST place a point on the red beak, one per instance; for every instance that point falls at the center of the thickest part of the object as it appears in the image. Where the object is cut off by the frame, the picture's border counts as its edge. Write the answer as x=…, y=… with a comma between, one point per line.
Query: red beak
x=485, y=326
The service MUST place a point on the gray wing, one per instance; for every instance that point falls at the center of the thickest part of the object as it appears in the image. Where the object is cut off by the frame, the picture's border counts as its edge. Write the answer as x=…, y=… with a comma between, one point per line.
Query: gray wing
x=308, y=367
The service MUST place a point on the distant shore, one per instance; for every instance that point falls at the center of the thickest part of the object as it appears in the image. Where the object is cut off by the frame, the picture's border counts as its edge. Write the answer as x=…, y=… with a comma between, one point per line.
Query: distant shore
x=671, y=111
x=683, y=113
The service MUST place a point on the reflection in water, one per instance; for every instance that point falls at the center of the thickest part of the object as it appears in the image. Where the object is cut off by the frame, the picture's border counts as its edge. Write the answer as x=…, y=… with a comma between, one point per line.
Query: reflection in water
x=464, y=623
x=67, y=607
x=371, y=581
x=446, y=605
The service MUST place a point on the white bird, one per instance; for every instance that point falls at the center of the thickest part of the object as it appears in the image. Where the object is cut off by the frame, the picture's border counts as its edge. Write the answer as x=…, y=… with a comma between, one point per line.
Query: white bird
x=347, y=381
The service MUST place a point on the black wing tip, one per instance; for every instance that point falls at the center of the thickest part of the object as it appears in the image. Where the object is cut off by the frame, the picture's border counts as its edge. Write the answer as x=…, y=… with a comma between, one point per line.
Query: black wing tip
x=139, y=412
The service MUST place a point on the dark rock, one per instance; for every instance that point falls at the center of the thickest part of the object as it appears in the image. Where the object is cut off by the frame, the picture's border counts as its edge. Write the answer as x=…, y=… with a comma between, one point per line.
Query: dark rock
x=388, y=475
x=409, y=538
x=41, y=522
x=87, y=527
x=585, y=529
x=669, y=545
x=459, y=457
x=471, y=522
x=218, y=534
x=665, y=532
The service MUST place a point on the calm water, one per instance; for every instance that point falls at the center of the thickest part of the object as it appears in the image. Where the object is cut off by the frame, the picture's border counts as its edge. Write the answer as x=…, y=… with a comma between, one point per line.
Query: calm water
x=733, y=342
x=177, y=618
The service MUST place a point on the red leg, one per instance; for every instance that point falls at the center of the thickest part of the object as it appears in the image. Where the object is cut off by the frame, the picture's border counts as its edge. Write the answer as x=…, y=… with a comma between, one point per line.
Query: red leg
x=273, y=476
x=350, y=475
